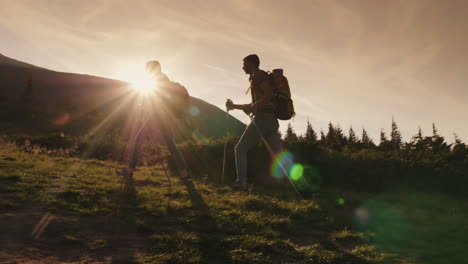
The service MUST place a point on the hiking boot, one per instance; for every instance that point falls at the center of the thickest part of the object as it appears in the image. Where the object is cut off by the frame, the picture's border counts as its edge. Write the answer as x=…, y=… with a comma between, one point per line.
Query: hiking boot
x=240, y=187
x=185, y=175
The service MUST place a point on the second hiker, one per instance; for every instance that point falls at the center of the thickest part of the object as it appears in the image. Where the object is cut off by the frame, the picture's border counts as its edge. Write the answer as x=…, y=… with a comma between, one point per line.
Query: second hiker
x=263, y=123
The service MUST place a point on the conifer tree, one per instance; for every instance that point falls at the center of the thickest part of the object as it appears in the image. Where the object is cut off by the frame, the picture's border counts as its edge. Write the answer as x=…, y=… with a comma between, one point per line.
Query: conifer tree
x=435, y=132
x=459, y=148
x=352, y=136
x=437, y=142
x=383, y=137
x=365, y=139
x=331, y=133
x=340, y=137
x=385, y=144
x=310, y=133
x=418, y=137
x=417, y=142
x=290, y=134
x=395, y=136
x=323, y=138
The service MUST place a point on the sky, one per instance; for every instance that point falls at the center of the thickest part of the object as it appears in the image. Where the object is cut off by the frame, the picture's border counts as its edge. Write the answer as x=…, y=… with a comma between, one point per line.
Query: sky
x=351, y=62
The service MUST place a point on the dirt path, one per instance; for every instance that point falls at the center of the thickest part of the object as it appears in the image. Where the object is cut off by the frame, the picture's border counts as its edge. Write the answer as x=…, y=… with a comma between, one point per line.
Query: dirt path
x=32, y=234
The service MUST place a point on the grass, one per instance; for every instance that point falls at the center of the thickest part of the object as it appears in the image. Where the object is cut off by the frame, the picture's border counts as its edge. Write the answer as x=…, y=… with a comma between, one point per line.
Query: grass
x=198, y=222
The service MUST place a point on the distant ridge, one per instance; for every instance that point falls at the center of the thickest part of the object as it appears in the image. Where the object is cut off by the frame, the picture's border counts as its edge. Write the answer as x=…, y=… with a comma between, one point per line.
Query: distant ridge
x=6, y=61
x=86, y=100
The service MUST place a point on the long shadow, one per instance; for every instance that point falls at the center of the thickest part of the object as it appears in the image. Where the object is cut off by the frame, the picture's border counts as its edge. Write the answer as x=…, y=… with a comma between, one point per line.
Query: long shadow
x=126, y=213
x=211, y=238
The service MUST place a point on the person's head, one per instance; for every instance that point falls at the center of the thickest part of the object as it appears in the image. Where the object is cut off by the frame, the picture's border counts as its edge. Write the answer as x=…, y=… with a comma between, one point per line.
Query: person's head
x=153, y=67
x=251, y=63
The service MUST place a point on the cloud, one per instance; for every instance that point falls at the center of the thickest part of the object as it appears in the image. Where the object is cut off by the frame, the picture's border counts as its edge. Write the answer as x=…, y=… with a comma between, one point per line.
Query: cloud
x=352, y=62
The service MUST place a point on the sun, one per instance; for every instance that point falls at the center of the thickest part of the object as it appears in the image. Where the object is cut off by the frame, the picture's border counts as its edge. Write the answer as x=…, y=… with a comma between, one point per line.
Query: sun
x=138, y=78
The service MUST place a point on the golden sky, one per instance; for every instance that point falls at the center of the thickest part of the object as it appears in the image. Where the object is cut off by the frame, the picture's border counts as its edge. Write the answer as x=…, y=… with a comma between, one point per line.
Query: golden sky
x=353, y=62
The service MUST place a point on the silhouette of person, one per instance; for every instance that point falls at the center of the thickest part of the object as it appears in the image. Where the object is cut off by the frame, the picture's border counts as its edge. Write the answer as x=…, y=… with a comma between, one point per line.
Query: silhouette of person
x=264, y=122
x=163, y=118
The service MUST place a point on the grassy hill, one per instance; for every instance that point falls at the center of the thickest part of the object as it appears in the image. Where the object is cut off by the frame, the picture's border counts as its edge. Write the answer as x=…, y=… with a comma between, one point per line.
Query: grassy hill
x=55, y=209
x=159, y=219
x=33, y=99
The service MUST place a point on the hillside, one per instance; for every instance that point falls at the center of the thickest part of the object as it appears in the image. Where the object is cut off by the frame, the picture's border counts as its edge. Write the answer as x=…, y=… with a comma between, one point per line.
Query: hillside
x=56, y=210
x=27, y=91
x=6, y=61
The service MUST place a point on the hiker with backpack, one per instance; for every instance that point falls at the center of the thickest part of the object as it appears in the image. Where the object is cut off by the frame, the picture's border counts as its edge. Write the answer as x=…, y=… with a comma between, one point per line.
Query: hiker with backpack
x=271, y=99
x=168, y=102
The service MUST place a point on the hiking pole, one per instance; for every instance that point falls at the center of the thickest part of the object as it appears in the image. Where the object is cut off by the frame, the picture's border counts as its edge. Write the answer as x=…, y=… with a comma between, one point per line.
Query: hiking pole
x=272, y=154
x=225, y=149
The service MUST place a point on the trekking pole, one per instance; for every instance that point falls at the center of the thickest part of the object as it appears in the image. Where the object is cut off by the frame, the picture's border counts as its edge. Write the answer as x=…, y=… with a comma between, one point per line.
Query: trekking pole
x=168, y=178
x=272, y=154
x=225, y=149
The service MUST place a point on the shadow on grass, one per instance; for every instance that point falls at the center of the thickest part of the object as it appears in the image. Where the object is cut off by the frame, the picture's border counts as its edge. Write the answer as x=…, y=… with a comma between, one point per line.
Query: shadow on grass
x=211, y=238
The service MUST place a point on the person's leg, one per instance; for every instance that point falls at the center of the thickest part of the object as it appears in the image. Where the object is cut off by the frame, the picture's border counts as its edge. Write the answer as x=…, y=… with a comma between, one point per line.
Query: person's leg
x=134, y=151
x=274, y=141
x=249, y=139
x=268, y=125
x=169, y=139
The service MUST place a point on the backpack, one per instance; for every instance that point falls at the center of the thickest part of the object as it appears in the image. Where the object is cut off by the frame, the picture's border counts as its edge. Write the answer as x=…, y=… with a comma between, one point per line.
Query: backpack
x=284, y=108
x=177, y=100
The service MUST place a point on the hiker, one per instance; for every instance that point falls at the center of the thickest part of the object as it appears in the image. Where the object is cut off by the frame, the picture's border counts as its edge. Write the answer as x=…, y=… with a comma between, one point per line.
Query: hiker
x=171, y=101
x=264, y=122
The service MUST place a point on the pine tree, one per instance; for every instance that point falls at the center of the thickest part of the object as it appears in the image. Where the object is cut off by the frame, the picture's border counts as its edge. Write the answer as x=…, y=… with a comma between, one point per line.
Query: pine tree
x=310, y=133
x=290, y=134
x=418, y=137
x=417, y=141
x=365, y=139
x=383, y=137
x=340, y=137
x=352, y=136
x=335, y=137
x=395, y=136
x=331, y=135
x=435, y=132
x=459, y=148
x=385, y=144
x=323, y=138
x=437, y=142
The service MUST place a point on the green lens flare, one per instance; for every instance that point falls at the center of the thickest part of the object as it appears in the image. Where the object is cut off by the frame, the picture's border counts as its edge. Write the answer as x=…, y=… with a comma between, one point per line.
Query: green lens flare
x=296, y=172
x=341, y=201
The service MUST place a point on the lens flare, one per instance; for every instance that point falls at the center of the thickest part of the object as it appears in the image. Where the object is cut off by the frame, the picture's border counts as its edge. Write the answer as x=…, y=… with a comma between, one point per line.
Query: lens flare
x=61, y=120
x=296, y=172
x=197, y=135
x=138, y=77
x=341, y=201
x=282, y=164
x=194, y=110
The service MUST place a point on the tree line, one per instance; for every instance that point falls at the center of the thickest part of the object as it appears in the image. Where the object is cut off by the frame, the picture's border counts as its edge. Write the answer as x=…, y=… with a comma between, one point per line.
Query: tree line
x=336, y=139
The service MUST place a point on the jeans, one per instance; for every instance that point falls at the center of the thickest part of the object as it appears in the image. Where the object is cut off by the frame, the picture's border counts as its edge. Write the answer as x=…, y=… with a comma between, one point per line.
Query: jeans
x=167, y=135
x=263, y=125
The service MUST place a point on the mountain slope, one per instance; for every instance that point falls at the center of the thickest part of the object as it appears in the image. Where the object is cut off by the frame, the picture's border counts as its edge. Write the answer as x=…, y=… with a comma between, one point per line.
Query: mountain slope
x=83, y=102
x=6, y=61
